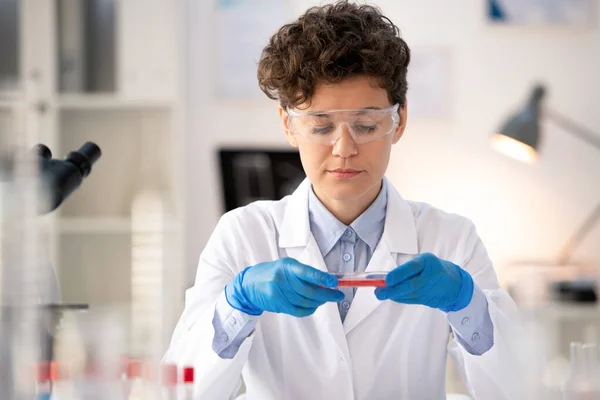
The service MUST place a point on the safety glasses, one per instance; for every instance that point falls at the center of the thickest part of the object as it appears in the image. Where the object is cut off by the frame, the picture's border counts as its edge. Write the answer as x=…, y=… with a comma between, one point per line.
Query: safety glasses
x=325, y=127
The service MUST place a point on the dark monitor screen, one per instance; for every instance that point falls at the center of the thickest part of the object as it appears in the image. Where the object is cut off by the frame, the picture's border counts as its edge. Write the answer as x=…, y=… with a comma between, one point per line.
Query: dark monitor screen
x=248, y=175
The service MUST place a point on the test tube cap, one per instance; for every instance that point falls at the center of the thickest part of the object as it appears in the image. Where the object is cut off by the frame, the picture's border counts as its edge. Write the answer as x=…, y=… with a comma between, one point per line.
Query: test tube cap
x=151, y=372
x=188, y=374
x=168, y=376
x=58, y=371
x=42, y=372
x=134, y=369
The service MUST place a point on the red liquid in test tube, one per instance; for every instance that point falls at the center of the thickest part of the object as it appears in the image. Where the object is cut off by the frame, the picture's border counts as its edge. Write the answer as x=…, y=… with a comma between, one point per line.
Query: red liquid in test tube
x=360, y=282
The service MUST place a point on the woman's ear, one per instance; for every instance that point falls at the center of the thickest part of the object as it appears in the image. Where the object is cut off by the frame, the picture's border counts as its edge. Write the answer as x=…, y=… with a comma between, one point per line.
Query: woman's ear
x=403, y=113
x=286, y=128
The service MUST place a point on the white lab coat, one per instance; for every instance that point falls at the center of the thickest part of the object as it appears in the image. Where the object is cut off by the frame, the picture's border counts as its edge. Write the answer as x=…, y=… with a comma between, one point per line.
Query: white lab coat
x=383, y=350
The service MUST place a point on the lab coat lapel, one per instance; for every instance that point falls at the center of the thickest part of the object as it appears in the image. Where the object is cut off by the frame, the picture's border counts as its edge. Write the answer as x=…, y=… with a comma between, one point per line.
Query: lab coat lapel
x=399, y=237
x=295, y=237
x=294, y=231
x=328, y=315
x=365, y=301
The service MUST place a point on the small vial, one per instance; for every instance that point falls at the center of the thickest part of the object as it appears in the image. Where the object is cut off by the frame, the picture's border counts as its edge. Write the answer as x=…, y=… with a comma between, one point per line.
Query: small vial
x=43, y=385
x=168, y=380
x=151, y=382
x=134, y=385
x=187, y=387
x=582, y=383
x=59, y=376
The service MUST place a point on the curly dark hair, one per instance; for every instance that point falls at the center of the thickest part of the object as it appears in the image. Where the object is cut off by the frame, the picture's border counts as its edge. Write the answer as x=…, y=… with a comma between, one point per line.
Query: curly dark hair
x=328, y=44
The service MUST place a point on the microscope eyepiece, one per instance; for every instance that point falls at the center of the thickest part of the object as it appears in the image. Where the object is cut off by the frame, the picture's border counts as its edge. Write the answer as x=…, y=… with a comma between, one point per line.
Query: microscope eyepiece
x=59, y=178
x=85, y=157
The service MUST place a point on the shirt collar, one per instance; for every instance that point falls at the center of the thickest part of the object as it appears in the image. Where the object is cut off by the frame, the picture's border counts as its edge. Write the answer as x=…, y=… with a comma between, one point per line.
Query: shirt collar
x=327, y=229
x=369, y=225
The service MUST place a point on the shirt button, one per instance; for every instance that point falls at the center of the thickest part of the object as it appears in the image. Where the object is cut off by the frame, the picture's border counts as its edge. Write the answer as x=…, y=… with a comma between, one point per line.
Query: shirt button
x=348, y=232
x=224, y=337
x=347, y=257
x=346, y=304
x=232, y=321
x=465, y=321
x=475, y=337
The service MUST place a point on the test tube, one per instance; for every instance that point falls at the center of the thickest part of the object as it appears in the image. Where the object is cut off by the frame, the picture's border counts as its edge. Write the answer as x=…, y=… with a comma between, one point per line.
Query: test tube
x=133, y=379
x=187, y=387
x=168, y=379
x=361, y=279
x=43, y=389
x=151, y=381
x=59, y=376
x=590, y=360
x=582, y=382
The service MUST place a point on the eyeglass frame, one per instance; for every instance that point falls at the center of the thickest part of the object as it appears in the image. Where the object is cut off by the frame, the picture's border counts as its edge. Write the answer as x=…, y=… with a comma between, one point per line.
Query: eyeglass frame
x=392, y=110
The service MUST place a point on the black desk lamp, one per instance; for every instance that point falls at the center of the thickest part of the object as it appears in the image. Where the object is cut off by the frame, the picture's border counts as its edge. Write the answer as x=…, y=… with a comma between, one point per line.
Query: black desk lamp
x=519, y=138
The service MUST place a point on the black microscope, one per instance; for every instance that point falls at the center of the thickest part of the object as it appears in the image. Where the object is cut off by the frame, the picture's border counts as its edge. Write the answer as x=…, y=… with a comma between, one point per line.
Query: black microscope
x=57, y=180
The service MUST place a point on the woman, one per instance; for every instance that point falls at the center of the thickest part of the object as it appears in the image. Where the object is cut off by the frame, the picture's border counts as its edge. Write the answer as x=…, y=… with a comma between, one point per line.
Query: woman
x=265, y=304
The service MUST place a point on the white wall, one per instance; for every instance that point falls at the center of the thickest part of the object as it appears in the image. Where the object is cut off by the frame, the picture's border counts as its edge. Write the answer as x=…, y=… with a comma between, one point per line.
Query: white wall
x=521, y=211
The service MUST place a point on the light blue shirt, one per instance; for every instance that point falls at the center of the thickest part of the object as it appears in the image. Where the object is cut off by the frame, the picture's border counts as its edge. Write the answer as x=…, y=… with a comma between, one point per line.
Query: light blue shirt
x=346, y=249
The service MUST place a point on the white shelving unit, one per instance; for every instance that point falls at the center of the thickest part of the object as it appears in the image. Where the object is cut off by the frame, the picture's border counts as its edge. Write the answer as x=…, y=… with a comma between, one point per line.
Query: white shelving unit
x=108, y=102
x=138, y=119
x=95, y=225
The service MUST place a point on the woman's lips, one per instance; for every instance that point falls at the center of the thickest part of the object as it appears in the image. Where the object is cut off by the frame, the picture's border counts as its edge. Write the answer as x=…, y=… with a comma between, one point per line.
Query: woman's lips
x=344, y=173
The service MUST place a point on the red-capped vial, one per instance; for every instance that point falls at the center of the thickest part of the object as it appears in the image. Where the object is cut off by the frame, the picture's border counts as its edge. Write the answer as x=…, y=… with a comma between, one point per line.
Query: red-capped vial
x=168, y=380
x=151, y=382
x=187, y=386
x=59, y=375
x=188, y=375
x=150, y=372
x=57, y=372
x=133, y=378
x=42, y=371
x=168, y=376
x=43, y=385
x=133, y=369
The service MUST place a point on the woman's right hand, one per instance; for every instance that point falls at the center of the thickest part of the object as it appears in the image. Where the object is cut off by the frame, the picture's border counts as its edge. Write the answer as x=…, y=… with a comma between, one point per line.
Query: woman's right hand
x=282, y=286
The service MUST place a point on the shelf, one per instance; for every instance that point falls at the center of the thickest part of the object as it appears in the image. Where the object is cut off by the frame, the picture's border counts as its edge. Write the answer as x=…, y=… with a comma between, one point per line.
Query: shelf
x=107, y=102
x=93, y=225
x=566, y=311
x=10, y=96
x=10, y=105
x=99, y=225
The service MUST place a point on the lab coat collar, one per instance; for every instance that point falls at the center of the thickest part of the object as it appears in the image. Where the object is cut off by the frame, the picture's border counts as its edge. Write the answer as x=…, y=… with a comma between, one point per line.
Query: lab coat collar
x=399, y=232
x=399, y=236
x=328, y=230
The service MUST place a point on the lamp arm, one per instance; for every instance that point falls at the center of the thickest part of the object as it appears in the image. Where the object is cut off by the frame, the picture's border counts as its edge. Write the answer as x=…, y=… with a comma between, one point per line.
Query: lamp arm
x=594, y=140
x=573, y=128
x=567, y=251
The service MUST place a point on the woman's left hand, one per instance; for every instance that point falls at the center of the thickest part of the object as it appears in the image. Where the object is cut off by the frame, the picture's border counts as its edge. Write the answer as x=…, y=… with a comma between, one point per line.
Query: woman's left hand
x=430, y=281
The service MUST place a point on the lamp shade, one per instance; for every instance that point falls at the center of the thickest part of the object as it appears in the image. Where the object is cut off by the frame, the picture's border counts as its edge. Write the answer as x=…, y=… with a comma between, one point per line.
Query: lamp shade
x=519, y=135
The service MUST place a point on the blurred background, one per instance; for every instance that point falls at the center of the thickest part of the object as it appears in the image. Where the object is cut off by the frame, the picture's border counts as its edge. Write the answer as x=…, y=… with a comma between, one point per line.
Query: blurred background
x=167, y=89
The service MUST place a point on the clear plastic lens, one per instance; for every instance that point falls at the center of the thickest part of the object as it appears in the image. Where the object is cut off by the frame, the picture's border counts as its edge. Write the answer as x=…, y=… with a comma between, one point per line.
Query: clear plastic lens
x=325, y=127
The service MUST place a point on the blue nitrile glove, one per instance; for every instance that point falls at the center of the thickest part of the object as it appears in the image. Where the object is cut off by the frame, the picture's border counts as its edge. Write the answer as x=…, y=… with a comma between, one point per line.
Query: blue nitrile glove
x=430, y=281
x=282, y=286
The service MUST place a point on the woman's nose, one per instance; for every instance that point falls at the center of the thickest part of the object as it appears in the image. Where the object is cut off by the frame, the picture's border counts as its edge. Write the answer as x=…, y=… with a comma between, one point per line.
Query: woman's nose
x=344, y=146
